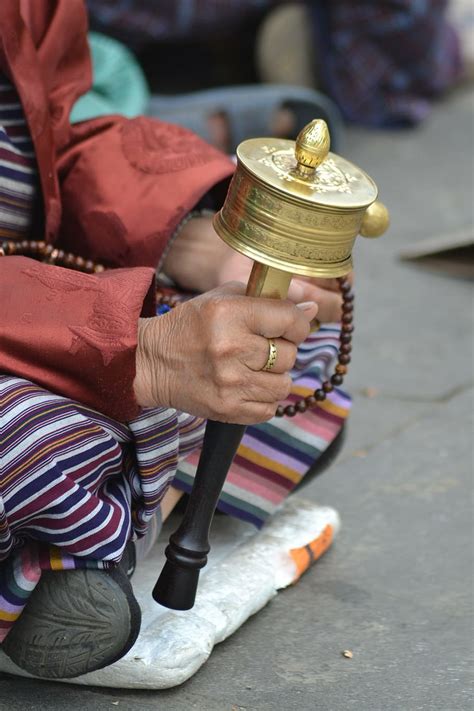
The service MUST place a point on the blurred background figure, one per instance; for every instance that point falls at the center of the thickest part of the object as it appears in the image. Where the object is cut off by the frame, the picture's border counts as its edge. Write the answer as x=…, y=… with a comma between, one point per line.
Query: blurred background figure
x=378, y=64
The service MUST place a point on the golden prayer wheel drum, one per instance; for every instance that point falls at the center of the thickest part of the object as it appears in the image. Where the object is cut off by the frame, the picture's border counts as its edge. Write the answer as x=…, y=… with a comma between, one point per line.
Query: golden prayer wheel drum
x=297, y=207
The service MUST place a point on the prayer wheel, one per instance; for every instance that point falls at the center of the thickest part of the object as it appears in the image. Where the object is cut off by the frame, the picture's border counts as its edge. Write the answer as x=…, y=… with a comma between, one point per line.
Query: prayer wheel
x=294, y=208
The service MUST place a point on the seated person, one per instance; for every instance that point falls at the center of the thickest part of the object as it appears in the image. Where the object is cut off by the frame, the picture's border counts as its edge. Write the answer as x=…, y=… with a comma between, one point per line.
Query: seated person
x=100, y=398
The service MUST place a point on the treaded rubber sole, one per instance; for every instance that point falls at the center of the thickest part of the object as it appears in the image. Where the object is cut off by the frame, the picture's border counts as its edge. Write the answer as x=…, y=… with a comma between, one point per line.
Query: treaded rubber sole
x=76, y=621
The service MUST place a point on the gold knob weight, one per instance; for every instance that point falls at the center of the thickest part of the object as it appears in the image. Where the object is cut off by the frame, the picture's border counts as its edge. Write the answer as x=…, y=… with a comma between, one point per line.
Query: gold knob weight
x=376, y=220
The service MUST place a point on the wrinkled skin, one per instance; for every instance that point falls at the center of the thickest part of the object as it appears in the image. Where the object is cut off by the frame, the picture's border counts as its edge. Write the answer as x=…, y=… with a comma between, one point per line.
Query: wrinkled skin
x=206, y=356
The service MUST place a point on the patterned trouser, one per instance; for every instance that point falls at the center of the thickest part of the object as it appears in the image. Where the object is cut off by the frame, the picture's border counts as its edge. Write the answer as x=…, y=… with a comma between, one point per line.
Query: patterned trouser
x=75, y=485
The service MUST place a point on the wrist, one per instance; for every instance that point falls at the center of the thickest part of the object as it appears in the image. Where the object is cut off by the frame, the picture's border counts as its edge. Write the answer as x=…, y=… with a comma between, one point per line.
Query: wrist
x=151, y=383
x=141, y=384
x=196, y=256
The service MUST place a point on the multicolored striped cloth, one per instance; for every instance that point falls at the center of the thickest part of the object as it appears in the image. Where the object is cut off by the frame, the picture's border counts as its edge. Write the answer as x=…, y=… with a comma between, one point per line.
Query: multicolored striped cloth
x=75, y=486
x=17, y=166
x=275, y=456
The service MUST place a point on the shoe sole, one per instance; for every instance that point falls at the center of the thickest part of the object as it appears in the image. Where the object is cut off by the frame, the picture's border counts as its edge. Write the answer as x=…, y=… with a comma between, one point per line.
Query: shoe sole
x=75, y=622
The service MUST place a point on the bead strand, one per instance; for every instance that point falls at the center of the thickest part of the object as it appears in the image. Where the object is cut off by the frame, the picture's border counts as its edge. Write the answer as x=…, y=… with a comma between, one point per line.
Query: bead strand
x=343, y=358
x=49, y=254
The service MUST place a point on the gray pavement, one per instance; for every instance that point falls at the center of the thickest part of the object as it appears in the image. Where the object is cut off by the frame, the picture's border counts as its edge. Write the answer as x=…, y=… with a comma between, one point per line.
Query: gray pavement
x=396, y=588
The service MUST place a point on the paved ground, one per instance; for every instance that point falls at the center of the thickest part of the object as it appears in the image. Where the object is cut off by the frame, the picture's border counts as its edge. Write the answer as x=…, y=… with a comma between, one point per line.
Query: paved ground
x=397, y=587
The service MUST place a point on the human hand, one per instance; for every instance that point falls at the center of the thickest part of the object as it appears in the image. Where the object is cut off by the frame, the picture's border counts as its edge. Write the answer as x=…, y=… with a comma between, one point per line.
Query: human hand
x=206, y=356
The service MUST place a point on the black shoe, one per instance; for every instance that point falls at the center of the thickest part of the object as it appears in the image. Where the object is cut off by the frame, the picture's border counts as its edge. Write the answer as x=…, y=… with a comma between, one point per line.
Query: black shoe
x=128, y=562
x=76, y=621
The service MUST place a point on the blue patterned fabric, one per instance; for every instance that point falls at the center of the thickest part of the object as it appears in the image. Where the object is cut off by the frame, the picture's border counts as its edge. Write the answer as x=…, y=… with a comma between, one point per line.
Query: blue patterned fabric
x=383, y=62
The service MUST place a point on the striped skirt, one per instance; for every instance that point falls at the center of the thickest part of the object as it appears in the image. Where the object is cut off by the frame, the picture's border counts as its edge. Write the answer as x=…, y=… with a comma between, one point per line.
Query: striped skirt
x=75, y=485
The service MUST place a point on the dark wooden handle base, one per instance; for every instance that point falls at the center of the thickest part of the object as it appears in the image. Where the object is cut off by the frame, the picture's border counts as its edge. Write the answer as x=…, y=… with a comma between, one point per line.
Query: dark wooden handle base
x=176, y=587
x=188, y=547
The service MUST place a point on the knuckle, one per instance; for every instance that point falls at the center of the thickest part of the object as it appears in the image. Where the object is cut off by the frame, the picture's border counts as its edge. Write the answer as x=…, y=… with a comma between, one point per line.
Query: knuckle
x=216, y=310
x=226, y=380
x=302, y=332
x=219, y=348
x=291, y=354
x=220, y=380
x=268, y=412
x=284, y=388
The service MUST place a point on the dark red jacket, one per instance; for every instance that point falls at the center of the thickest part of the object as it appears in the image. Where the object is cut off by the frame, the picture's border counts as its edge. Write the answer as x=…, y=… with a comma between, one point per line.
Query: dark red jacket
x=113, y=190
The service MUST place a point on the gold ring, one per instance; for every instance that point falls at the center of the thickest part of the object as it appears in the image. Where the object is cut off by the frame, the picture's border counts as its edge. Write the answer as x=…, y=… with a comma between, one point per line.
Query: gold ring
x=272, y=355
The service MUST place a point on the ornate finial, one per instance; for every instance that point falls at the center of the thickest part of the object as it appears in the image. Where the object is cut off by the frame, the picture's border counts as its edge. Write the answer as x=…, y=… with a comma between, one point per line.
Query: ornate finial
x=312, y=147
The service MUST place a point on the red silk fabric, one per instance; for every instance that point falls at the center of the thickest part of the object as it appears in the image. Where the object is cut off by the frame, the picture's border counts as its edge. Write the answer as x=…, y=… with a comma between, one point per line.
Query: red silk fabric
x=113, y=190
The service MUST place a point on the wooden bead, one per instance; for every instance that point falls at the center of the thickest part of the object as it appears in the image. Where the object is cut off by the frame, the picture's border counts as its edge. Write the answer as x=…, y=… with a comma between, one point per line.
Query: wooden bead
x=320, y=395
x=79, y=264
x=310, y=401
x=98, y=268
x=347, y=327
x=345, y=348
x=345, y=338
x=69, y=259
x=348, y=297
x=344, y=358
x=341, y=369
x=347, y=308
x=301, y=406
x=337, y=379
x=345, y=287
x=327, y=387
x=280, y=411
x=89, y=266
x=290, y=411
x=347, y=318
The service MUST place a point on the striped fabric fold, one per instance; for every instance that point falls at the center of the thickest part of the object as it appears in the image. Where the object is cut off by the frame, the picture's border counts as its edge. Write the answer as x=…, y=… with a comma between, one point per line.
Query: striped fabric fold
x=18, y=173
x=76, y=485
x=275, y=456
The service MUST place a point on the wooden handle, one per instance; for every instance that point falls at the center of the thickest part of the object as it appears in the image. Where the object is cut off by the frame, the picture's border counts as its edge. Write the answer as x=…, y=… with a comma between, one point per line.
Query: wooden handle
x=188, y=547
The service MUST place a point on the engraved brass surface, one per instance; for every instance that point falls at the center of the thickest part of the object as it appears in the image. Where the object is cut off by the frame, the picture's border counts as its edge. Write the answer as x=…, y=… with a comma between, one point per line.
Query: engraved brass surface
x=297, y=207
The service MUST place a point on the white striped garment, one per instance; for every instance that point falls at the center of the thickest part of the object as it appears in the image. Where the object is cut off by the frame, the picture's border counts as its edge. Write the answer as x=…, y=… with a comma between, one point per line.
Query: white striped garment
x=18, y=173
